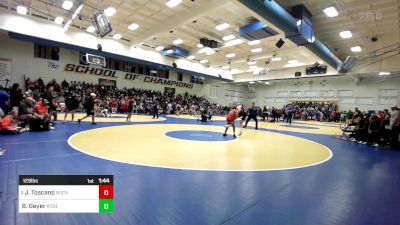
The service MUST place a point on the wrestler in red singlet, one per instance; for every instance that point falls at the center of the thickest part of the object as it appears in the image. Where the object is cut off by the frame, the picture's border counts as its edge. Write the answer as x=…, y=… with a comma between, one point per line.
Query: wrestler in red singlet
x=230, y=119
x=232, y=115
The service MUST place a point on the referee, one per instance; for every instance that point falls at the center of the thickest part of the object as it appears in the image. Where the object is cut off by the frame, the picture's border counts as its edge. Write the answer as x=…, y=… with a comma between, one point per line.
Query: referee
x=252, y=114
x=89, y=105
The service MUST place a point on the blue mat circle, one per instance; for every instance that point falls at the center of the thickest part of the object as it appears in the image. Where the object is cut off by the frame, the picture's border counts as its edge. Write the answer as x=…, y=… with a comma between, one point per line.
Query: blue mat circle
x=199, y=135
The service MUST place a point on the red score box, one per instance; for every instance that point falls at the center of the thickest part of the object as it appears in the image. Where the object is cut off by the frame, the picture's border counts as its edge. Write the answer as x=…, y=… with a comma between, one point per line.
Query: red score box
x=106, y=192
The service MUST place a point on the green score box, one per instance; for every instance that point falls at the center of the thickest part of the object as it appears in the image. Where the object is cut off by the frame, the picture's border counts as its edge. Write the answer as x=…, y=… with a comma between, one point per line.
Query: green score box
x=106, y=205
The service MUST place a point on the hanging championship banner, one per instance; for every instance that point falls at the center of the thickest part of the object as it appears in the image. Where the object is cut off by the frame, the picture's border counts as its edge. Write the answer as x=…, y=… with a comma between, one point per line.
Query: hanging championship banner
x=5, y=69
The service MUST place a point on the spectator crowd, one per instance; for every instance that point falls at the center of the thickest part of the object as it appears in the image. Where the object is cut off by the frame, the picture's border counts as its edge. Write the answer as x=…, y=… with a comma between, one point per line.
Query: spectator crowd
x=36, y=108
x=381, y=128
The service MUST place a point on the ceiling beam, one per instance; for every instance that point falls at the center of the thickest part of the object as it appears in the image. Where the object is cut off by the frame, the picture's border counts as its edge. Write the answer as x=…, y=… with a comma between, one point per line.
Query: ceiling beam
x=202, y=34
x=266, y=55
x=179, y=20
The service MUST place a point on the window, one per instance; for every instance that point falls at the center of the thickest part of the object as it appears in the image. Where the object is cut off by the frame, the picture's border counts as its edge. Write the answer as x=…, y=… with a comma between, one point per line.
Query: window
x=116, y=65
x=135, y=68
x=161, y=73
x=147, y=71
x=214, y=91
x=180, y=76
x=233, y=96
x=167, y=74
x=46, y=52
x=121, y=66
x=108, y=63
x=125, y=66
x=140, y=69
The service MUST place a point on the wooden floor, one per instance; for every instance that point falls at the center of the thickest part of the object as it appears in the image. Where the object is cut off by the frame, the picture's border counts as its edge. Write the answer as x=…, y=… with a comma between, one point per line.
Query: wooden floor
x=177, y=171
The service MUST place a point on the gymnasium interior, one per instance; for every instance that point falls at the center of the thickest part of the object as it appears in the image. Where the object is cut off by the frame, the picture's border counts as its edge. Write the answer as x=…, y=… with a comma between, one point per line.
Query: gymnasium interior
x=199, y=112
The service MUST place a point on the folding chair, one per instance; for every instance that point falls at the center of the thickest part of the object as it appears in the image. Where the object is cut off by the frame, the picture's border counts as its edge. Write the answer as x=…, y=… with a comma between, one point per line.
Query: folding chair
x=346, y=131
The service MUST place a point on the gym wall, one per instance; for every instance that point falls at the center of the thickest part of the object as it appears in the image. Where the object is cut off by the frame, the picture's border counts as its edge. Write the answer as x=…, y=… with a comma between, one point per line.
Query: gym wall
x=368, y=93
x=24, y=64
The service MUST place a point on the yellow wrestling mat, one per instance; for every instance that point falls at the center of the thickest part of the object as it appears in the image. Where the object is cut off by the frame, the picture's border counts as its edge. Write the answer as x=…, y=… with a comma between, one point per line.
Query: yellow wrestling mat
x=182, y=146
x=115, y=118
x=215, y=118
x=302, y=128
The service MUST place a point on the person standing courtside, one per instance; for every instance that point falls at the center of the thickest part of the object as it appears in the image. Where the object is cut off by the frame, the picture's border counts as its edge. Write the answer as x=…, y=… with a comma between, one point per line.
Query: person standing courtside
x=265, y=113
x=252, y=114
x=395, y=126
x=15, y=96
x=71, y=104
x=289, y=113
x=89, y=108
x=130, y=110
x=155, y=110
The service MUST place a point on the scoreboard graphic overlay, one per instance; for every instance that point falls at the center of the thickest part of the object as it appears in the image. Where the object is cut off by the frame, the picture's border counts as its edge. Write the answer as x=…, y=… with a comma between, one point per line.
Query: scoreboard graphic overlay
x=66, y=194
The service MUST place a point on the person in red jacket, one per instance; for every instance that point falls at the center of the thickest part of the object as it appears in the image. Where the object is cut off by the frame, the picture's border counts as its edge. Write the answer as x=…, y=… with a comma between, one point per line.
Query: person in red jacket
x=333, y=116
x=42, y=117
x=42, y=109
x=8, y=124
